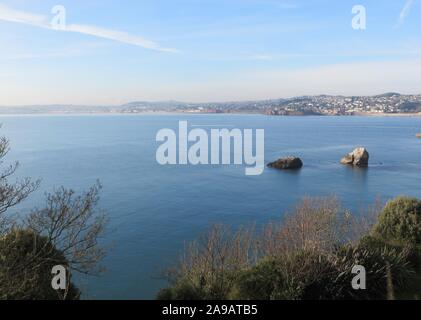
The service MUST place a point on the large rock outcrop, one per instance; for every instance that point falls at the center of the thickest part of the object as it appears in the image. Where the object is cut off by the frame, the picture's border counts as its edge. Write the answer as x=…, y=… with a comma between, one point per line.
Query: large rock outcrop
x=359, y=157
x=287, y=163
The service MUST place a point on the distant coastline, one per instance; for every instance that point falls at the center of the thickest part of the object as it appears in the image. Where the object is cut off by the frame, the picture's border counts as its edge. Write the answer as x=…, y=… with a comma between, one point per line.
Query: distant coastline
x=368, y=114
x=161, y=113
x=389, y=104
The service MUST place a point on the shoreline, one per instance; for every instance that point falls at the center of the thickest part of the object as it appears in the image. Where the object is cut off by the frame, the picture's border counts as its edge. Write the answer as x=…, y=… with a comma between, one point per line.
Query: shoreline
x=363, y=114
x=372, y=114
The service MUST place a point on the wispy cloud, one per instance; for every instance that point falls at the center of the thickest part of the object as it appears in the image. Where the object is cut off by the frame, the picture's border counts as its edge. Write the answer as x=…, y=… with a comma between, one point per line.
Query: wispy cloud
x=42, y=21
x=117, y=36
x=404, y=12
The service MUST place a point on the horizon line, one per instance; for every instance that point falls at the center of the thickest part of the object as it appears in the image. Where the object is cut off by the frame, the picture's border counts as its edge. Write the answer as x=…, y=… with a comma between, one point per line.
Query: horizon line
x=202, y=102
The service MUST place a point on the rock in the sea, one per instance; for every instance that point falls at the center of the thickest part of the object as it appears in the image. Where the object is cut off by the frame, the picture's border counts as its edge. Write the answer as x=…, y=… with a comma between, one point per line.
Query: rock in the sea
x=359, y=157
x=418, y=135
x=288, y=163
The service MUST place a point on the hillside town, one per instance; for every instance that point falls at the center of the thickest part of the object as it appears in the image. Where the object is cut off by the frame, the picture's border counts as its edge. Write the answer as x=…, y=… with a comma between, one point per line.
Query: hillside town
x=390, y=103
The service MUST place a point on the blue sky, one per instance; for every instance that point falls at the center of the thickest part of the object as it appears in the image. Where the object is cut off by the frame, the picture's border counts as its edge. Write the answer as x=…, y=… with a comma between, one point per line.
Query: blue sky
x=205, y=50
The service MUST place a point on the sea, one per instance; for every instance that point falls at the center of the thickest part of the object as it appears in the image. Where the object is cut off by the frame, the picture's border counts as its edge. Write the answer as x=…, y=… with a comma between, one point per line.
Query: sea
x=155, y=210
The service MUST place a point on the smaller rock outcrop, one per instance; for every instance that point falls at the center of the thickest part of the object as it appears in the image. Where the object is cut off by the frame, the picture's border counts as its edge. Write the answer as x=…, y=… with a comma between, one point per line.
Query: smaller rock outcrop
x=287, y=163
x=418, y=135
x=359, y=157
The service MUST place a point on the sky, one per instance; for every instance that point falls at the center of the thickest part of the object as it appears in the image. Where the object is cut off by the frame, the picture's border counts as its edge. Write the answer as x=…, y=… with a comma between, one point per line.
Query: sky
x=108, y=52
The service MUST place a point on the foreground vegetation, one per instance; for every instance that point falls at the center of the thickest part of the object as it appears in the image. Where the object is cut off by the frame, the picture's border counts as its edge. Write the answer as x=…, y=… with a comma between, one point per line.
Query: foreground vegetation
x=64, y=232
x=310, y=254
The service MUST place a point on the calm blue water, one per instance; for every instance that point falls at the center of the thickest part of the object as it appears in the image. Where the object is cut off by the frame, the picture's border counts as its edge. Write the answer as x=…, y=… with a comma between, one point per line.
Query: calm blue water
x=155, y=209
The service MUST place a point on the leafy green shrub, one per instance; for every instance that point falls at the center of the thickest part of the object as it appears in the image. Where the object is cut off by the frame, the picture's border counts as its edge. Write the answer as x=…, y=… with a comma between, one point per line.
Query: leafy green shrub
x=400, y=221
x=26, y=262
x=412, y=251
x=265, y=281
x=382, y=264
x=303, y=275
x=182, y=290
x=216, y=287
x=310, y=275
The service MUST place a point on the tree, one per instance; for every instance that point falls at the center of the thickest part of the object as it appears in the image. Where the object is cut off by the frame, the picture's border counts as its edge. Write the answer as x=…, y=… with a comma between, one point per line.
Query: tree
x=11, y=194
x=65, y=232
x=73, y=226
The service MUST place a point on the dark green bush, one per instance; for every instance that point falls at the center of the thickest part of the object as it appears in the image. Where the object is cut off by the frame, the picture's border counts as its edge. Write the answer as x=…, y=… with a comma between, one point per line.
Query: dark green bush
x=412, y=251
x=265, y=281
x=321, y=276
x=400, y=221
x=216, y=287
x=182, y=290
x=26, y=262
x=382, y=263
x=303, y=275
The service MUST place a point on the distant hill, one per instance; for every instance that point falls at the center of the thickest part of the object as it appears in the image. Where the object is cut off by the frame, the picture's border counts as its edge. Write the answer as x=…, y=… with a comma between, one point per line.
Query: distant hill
x=307, y=105
x=388, y=95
